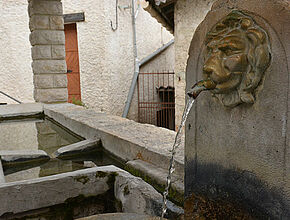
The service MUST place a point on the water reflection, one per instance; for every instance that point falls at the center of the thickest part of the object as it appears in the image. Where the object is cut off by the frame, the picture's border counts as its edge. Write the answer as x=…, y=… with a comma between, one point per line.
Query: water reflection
x=48, y=136
x=20, y=135
x=37, y=135
x=51, y=137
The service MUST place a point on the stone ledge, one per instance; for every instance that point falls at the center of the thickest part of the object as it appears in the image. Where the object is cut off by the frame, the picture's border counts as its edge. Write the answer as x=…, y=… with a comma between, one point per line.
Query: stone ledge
x=20, y=110
x=123, y=138
x=157, y=177
x=33, y=194
x=120, y=216
x=76, y=149
x=22, y=156
x=135, y=195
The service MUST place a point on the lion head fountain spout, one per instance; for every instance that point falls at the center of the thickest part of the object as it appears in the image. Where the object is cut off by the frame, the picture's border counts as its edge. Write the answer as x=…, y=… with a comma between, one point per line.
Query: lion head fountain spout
x=237, y=55
x=200, y=86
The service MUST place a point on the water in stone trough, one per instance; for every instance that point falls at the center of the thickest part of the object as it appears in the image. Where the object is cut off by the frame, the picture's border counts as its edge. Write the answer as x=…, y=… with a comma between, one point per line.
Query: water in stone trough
x=47, y=135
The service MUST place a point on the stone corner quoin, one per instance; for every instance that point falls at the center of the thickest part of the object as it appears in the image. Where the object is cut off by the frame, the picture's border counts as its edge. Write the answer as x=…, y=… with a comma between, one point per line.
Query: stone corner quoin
x=48, y=51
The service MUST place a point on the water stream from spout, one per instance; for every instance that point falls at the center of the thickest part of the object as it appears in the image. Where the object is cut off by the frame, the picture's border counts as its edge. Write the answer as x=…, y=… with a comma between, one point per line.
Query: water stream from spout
x=176, y=144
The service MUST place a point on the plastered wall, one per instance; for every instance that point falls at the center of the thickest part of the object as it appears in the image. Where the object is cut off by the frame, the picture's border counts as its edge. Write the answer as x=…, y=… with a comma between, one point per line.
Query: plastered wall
x=188, y=15
x=106, y=56
x=16, y=77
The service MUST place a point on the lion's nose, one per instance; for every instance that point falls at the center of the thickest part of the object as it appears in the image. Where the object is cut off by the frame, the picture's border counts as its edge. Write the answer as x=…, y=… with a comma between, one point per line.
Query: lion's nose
x=211, y=65
x=207, y=70
x=214, y=70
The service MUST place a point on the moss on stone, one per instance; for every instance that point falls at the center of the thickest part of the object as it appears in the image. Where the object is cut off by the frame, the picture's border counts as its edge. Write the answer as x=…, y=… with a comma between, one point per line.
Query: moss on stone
x=101, y=174
x=111, y=179
x=173, y=194
x=82, y=179
x=126, y=190
x=118, y=205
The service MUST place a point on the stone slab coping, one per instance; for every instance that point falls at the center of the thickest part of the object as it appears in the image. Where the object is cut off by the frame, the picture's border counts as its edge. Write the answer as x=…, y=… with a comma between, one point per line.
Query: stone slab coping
x=122, y=137
x=135, y=195
x=120, y=216
x=20, y=110
x=22, y=155
x=157, y=177
x=73, y=150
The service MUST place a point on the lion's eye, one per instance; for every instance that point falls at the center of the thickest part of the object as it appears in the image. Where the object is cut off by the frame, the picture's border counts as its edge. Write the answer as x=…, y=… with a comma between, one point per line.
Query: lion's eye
x=229, y=50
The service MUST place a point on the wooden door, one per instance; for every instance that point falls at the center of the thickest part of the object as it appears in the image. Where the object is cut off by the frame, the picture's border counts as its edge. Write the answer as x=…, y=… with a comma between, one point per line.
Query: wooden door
x=72, y=62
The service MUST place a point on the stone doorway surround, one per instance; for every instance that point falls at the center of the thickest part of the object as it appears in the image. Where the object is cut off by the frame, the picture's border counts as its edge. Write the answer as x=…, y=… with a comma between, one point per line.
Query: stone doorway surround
x=48, y=50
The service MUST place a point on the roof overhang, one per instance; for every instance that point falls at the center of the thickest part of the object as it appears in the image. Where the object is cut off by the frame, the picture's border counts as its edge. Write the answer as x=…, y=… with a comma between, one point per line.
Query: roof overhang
x=163, y=12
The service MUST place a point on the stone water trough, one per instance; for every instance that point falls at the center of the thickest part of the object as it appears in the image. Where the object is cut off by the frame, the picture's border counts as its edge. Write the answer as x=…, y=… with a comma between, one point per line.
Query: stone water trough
x=143, y=150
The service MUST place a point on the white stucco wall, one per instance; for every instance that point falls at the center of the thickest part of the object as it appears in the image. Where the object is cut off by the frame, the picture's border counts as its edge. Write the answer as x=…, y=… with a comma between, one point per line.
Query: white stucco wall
x=106, y=56
x=16, y=77
x=188, y=15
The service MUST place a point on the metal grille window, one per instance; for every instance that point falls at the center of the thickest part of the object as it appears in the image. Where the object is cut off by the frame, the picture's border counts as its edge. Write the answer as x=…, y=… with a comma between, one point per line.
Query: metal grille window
x=156, y=99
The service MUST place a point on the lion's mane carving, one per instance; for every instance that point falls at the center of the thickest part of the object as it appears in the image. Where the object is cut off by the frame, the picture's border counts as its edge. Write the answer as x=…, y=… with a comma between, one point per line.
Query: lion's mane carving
x=237, y=55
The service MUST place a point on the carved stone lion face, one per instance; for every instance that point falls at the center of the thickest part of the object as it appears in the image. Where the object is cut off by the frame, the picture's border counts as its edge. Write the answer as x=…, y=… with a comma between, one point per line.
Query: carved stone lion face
x=237, y=55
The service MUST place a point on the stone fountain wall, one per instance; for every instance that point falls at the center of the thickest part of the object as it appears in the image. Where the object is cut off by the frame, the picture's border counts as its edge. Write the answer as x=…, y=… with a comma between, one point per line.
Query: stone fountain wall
x=237, y=159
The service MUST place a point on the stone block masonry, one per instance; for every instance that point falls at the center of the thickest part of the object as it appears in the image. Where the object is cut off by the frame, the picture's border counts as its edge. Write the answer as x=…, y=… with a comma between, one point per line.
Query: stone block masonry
x=48, y=50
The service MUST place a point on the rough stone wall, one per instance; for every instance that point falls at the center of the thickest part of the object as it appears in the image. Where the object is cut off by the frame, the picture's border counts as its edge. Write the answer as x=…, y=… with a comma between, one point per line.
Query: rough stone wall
x=48, y=51
x=106, y=56
x=188, y=15
x=16, y=76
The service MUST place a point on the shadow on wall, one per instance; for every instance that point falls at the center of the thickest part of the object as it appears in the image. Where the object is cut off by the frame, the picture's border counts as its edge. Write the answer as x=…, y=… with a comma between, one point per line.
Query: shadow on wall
x=217, y=192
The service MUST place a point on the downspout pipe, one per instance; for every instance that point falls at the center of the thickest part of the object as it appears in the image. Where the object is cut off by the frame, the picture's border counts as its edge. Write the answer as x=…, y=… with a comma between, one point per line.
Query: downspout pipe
x=136, y=64
x=155, y=53
x=142, y=62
